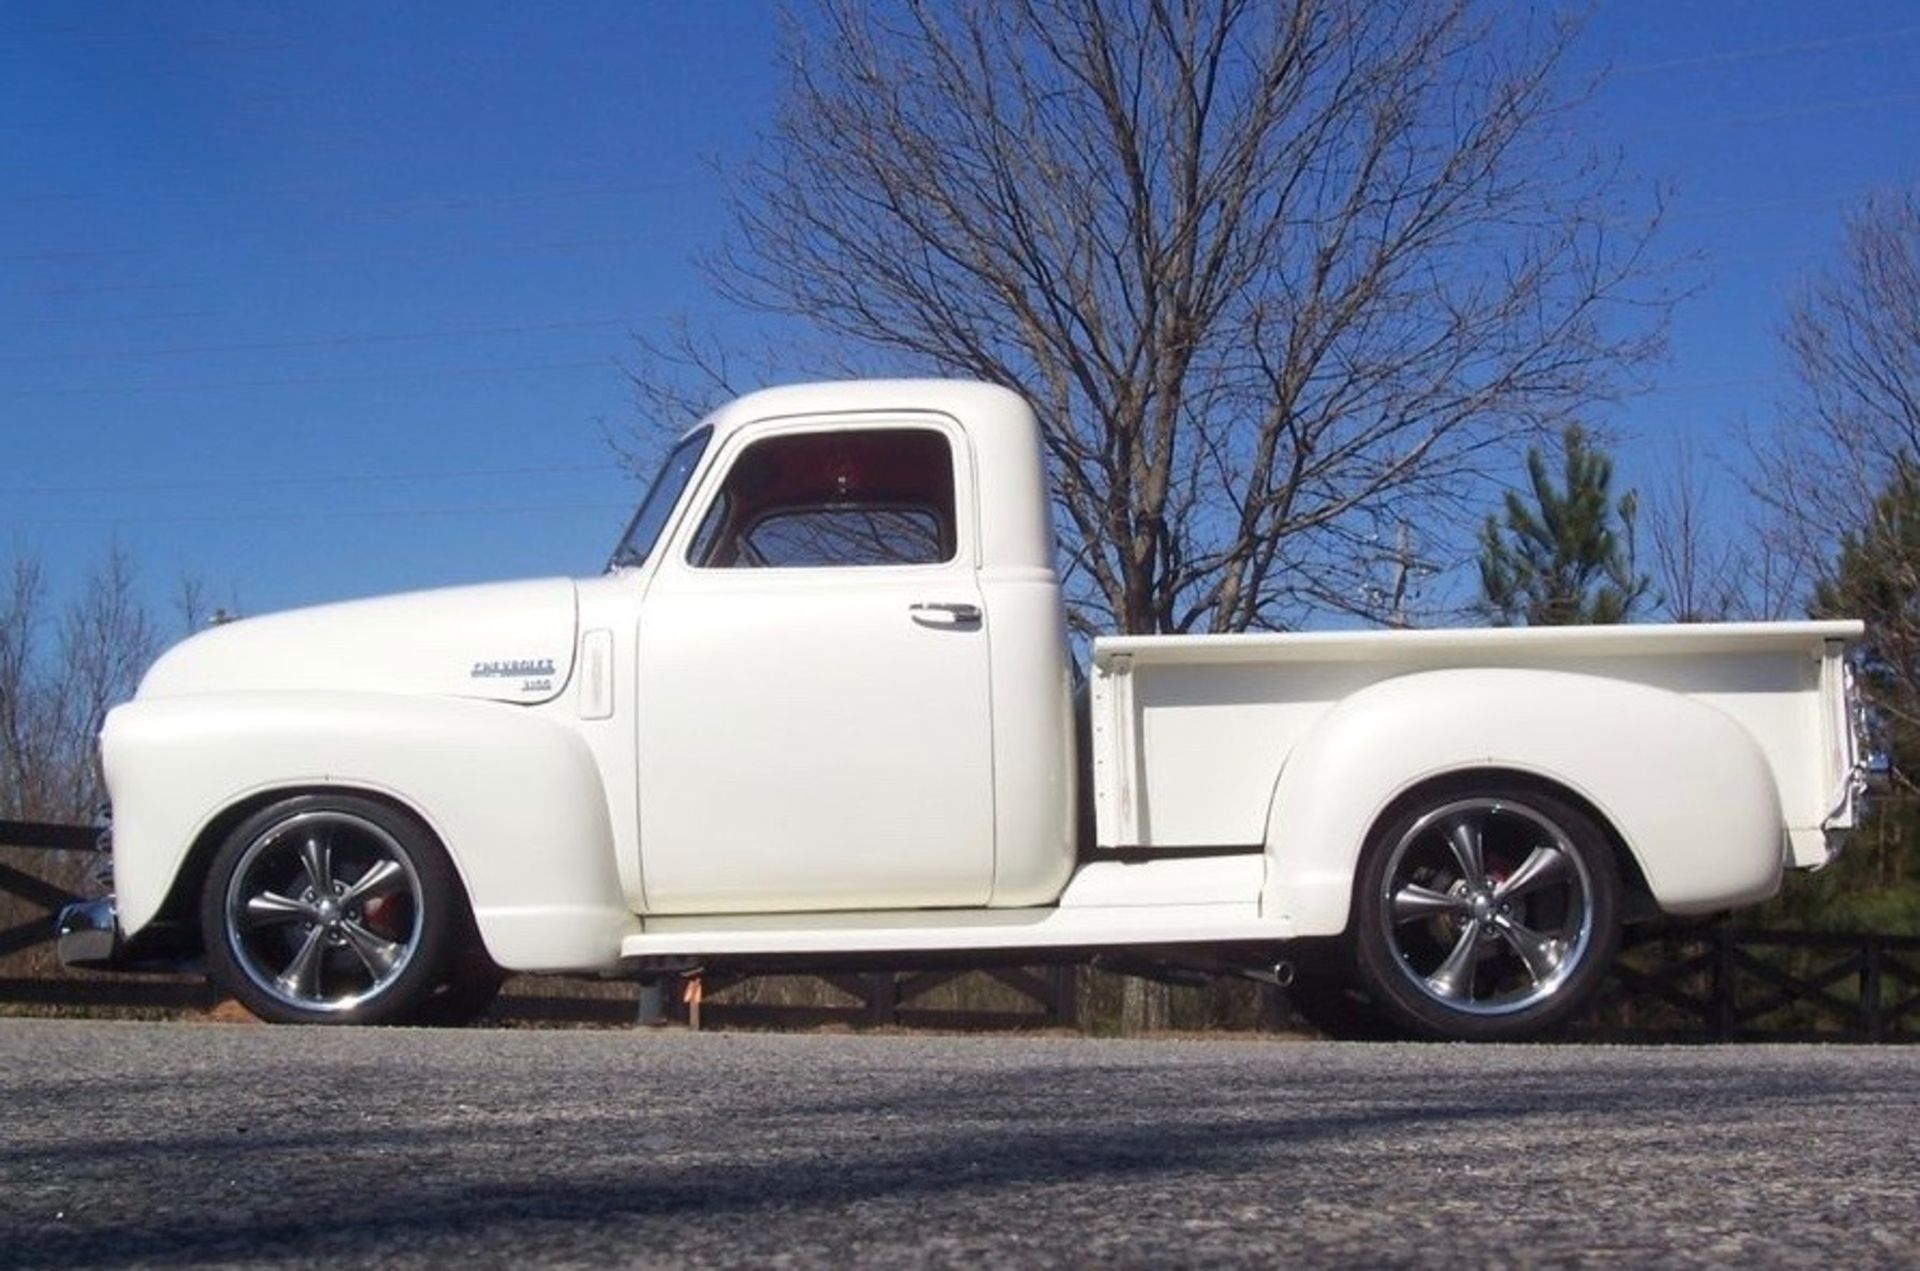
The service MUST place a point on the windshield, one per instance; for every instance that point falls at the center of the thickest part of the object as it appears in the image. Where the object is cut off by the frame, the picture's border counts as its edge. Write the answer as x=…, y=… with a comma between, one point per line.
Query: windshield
x=637, y=543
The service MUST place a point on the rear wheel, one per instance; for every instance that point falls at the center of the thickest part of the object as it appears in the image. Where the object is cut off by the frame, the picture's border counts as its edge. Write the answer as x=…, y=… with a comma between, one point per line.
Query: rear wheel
x=330, y=909
x=1485, y=913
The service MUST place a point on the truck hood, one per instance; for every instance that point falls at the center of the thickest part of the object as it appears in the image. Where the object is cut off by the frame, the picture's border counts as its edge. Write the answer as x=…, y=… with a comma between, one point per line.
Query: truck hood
x=504, y=642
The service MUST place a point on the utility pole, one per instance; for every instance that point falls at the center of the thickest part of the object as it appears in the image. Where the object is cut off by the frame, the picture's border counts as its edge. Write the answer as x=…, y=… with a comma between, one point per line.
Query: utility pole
x=1402, y=576
x=1408, y=571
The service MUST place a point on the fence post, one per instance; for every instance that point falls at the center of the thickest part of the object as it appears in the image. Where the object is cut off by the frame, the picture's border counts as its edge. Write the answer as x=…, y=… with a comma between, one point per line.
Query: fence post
x=1722, y=984
x=1870, y=990
x=1065, y=1007
x=883, y=998
x=653, y=1002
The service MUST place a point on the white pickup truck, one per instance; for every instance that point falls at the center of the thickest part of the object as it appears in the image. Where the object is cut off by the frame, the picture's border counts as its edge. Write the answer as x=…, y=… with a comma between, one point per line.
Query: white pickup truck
x=821, y=710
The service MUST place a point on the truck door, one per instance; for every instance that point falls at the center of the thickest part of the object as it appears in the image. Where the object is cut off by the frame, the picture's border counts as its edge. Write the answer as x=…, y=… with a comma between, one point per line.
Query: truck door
x=814, y=716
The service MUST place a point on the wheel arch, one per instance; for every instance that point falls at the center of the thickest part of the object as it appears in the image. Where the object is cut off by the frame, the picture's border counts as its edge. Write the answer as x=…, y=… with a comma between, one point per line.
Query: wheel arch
x=177, y=910
x=1636, y=892
x=513, y=798
x=1684, y=793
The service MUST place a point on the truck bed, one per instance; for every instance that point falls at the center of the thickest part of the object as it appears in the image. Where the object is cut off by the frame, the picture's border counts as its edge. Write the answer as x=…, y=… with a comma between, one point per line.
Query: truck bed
x=1190, y=733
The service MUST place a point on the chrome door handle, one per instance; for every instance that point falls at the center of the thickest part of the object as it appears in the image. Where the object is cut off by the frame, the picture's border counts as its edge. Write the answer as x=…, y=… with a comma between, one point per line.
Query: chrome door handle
x=944, y=613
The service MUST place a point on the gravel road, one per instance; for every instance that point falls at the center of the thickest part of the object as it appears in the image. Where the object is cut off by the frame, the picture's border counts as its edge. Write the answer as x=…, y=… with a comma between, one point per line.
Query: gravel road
x=159, y=1144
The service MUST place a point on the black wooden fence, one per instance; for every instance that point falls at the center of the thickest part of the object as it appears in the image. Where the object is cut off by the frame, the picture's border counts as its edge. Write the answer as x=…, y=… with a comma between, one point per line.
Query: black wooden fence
x=1708, y=983
x=42, y=897
x=1725, y=983
x=34, y=856
x=38, y=862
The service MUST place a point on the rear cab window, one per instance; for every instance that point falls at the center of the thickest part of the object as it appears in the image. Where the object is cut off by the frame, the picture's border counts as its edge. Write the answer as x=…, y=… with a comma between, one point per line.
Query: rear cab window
x=834, y=500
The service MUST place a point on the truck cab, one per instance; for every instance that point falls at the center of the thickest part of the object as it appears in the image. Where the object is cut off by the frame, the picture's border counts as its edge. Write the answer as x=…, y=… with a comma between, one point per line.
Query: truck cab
x=849, y=663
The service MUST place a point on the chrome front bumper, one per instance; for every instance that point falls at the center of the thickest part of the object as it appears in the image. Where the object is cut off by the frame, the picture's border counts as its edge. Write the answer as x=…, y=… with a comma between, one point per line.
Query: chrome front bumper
x=89, y=935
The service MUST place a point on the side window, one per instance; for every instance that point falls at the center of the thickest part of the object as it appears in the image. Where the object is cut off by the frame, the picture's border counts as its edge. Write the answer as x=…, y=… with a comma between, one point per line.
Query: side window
x=879, y=497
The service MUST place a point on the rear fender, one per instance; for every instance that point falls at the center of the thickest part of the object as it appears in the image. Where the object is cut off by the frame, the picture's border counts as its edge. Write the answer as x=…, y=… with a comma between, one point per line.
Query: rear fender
x=514, y=798
x=1685, y=789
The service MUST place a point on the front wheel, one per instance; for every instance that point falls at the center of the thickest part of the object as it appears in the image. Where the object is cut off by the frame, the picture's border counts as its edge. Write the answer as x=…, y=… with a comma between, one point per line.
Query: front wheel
x=330, y=909
x=471, y=985
x=1487, y=913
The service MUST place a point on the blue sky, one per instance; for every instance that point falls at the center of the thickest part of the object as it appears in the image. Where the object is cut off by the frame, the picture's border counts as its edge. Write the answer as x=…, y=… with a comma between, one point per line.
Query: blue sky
x=324, y=300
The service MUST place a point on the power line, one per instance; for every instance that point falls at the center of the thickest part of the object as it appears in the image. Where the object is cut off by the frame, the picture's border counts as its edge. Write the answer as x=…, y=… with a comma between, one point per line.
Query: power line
x=297, y=265
x=324, y=342
x=1776, y=116
x=125, y=319
x=1682, y=212
x=56, y=196
x=27, y=258
x=404, y=256
x=310, y=381
x=227, y=43
x=104, y=289
x=1801, y=256
x=529, y=251
x=330, y=516
x=375, y=205
x=313, y=479
x=1695, y=386
x=1766, y=50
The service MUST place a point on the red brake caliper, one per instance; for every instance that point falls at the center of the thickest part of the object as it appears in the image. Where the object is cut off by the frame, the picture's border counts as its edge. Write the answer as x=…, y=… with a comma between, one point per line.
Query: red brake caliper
x=382, y=916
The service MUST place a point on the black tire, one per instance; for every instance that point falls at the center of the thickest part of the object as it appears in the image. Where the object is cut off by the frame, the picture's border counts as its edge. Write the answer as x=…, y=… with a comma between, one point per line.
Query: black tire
x=1485, y=912
x=331, y=909
x=471, y=985
x=1323, y=994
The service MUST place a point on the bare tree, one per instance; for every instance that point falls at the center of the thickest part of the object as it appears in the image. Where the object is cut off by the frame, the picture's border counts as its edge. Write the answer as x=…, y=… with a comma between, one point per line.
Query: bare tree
x=1838, y=475
x=1852, y=421
x=107, y=640
x=1279, y=277
x=1704, y=567
x=682, y=375
x=26, y=706
x=59, y=675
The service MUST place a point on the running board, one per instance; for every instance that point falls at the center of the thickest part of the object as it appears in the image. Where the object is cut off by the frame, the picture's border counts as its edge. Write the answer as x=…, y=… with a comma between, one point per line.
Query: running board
x=1201, y=901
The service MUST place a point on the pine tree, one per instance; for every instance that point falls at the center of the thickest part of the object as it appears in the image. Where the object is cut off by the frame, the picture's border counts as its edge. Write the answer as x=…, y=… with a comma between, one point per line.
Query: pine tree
x=1877, y=577
x=1568, y=558
x=1875, y=885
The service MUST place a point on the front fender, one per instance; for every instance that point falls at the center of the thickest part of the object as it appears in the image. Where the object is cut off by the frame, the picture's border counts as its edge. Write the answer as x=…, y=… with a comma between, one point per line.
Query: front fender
x=515, y=799
x=1687, y=789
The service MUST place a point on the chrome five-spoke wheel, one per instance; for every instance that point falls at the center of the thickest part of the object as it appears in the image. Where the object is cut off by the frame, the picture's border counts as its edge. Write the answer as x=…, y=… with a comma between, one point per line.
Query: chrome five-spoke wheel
x=1486, y=913
x=328, y=909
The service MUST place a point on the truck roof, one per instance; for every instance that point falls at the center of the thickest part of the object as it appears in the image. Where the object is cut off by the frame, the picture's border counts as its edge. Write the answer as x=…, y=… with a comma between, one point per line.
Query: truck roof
x=973, y=401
